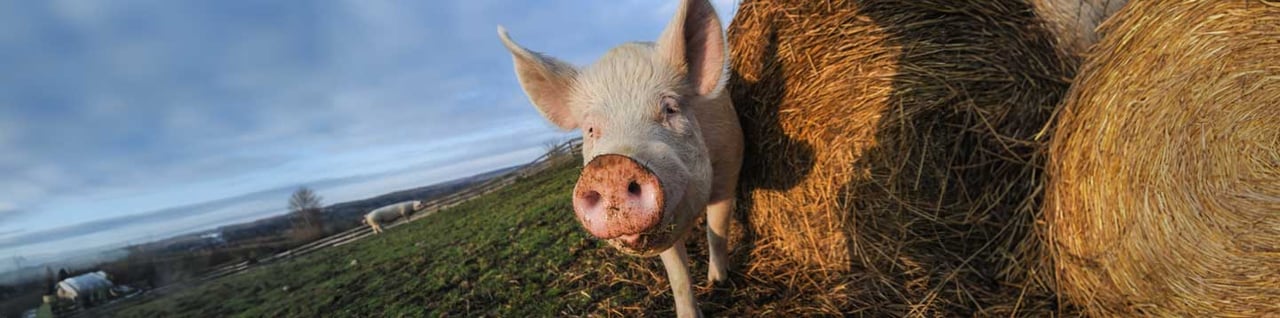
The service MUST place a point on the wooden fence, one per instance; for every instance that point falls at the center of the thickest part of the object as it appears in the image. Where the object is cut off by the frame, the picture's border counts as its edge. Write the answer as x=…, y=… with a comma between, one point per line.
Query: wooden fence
x=563, y=151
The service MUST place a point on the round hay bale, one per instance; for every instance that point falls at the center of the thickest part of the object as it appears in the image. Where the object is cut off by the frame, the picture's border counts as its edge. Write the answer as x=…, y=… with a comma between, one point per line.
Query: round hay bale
x=1164, y=184
x=892, y=164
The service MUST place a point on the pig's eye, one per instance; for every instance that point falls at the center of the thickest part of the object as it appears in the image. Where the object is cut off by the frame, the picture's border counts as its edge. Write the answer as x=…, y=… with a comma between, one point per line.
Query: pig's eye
x=669, y=105
x=671, y=114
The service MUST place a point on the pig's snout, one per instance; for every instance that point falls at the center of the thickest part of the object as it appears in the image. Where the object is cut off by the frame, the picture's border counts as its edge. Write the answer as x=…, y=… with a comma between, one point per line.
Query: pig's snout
x=618, y=197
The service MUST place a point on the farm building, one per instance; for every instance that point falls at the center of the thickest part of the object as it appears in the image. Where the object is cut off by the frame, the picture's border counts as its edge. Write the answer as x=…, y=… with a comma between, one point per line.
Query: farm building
x=90, y=287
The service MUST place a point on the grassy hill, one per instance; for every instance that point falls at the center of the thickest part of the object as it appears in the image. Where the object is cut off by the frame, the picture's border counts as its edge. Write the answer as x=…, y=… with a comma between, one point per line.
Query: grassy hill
x=515, y=252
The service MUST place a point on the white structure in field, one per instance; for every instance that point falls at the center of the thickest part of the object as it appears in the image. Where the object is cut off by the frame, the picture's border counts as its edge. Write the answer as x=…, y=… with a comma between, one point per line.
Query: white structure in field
x=87, y=287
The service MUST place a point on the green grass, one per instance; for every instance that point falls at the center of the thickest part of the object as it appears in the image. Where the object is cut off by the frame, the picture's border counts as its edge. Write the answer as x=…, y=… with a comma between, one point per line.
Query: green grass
x=515, y=252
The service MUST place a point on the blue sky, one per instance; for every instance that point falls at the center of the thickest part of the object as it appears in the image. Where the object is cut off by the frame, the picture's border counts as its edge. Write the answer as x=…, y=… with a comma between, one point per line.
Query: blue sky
x=123, y=121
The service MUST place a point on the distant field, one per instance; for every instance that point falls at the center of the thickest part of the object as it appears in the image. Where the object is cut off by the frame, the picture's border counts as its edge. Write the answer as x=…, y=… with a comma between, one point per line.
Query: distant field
x=516, y=252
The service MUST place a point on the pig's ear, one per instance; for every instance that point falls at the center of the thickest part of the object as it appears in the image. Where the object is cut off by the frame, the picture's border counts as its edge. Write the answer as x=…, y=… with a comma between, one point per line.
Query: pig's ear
x=546, y=80
x=694, y=43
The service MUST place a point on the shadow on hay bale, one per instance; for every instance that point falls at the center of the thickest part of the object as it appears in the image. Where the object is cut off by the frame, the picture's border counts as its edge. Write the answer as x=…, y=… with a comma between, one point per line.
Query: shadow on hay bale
x=893, y=166
x=1164, y=192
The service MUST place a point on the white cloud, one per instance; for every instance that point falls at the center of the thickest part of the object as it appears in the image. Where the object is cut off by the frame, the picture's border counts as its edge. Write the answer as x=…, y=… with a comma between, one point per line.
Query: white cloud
x=85, y=14
x=8, y=210
x=11, y=131
x=35, y=182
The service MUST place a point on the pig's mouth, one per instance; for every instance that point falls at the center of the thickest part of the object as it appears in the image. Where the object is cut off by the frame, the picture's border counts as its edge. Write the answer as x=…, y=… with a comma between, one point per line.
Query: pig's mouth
x=645, y=244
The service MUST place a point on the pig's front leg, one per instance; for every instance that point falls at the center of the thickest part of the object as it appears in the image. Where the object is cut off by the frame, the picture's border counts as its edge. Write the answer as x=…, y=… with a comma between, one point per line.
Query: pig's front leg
x=676, y=260
x=718, y=239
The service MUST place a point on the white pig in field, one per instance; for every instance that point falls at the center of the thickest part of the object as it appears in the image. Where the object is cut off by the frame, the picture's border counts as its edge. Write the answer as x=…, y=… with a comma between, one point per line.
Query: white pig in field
x=387, y=214
x=661, y=140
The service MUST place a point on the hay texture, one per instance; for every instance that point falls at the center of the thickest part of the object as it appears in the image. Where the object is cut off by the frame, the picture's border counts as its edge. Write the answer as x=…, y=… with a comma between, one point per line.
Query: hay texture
x=1164, y=191
x=892, y=166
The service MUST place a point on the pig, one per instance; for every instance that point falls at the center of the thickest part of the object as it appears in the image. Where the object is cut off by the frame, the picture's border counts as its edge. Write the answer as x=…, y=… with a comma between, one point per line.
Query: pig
x=661, y=140
x=387, y=214
x=1075, y=22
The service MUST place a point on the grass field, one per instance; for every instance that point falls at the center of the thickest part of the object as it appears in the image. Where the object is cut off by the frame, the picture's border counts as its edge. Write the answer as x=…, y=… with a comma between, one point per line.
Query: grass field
x=515, y=252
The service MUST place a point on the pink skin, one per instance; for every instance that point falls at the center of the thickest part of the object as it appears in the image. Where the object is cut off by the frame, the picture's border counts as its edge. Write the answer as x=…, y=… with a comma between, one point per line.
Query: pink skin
x=616, y=197
x=661, y=140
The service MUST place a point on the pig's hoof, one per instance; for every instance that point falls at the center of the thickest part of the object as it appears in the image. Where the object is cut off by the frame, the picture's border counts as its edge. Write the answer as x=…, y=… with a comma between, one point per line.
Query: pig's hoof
x=719, y=284
x=717, y=276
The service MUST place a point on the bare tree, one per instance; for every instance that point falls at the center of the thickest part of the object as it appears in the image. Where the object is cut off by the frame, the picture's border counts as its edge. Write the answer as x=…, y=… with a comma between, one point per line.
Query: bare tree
x=557, y=149
x=306, y=208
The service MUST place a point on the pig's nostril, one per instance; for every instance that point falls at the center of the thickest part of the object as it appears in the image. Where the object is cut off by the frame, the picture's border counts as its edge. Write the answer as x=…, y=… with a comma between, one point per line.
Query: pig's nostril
x=633, y=188
x=591, y=198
